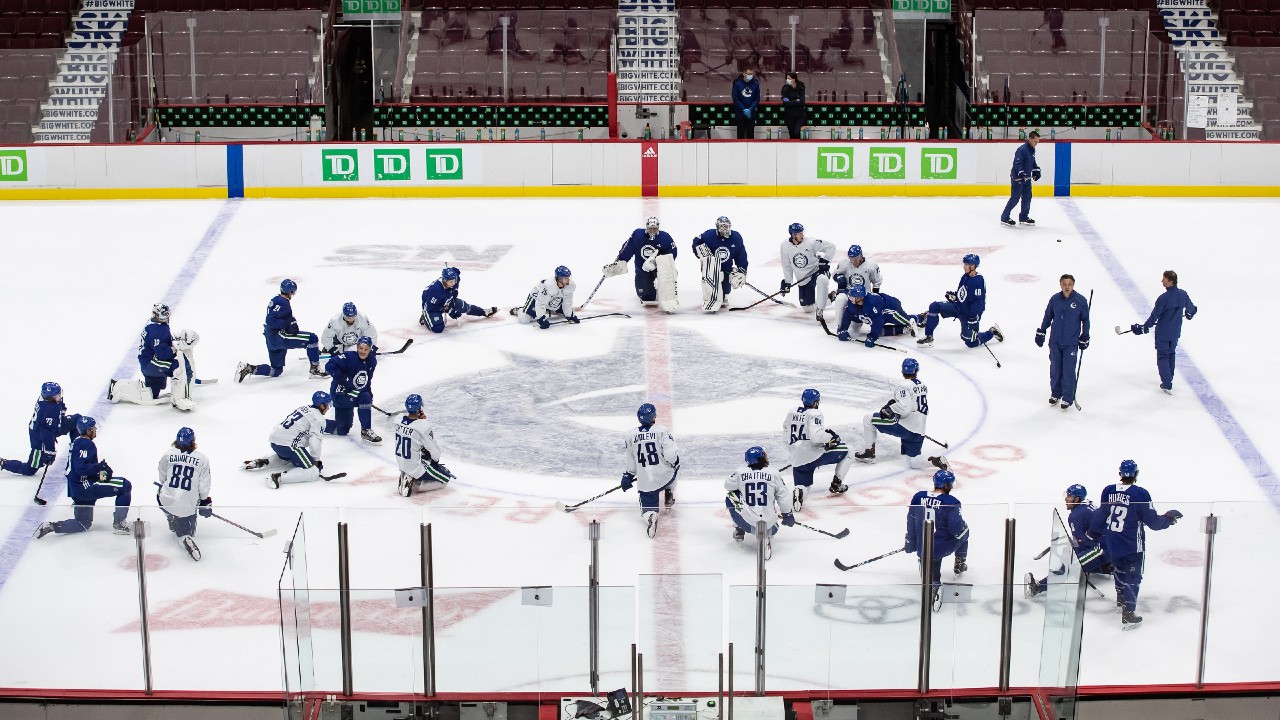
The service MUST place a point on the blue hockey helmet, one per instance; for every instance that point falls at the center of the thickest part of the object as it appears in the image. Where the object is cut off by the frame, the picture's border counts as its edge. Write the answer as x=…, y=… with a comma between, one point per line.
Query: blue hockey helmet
x=365, y=340
x=972, y=259
x=910, y=366
x=794, y=228
x=321, y=397
x=349, y=310
x=943, y=478
x=451, y=273
x=50, y=389
x=651, y=224
x=85, y=423
x=810, y=397
x=160, y=313
x=855, y=251
x=413, y=404
x=186, y=437
x=288, y=287
x=1129, y=469
x=647, y=414
x=857, y=292
x=754, y=454
x=1077, y=491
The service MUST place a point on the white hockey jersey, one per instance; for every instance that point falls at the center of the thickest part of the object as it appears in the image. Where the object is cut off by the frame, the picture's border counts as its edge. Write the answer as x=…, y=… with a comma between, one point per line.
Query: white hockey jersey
x=548, y=297
x=799, y=261
x=762, y=495
x=301, y=429
x=652, y=457
x=806, y=434
x=867, y=274
x=416, y=446
x=338, y=334
x=911, y=402
x=184, y=480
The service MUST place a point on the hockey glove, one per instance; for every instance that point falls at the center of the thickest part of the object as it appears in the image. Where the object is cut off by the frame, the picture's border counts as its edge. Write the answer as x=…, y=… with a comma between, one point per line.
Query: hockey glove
x=907, y=545
x=206, y=507
x=785, y=287
x=737, y=279
x=952, y=297
x=627, y=481
x=788, y=519
x=292, y=329
x=875, y=290
x=1137, y=329
x=869, y=343
x=544, y=323
x=1022, y=175
x=887, y=413
x=1173, y=516
x=104, y=470
x=824, y=266
x=843, y=335
x=1035, y=174
x=831, y=296
x=1084, y=343
x=1188, y=315
x=574, y=319
x=833, y=442
x=1040, y=338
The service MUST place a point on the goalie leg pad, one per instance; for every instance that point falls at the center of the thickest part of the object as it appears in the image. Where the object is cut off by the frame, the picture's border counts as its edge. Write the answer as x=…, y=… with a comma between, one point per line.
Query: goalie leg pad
x=666, y=284
x=184, y=377
x=712, y=281
x=135, y=391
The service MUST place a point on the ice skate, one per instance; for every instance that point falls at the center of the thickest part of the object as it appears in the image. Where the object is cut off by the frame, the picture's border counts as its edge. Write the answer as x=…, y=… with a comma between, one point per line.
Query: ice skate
x=1032, y=588
x=837, y=486
x=1028, y=221
x=926, y=341
x=273, y=481
x=317, y=372
x=1130, y=620
x=371, y=437
x=866, y=456
x=768, y=547
x=44, y=529
x=995, y=332
x=256, y=464
x=121, y=527
x=491, y=312
x=244, y=370
x=1065, y=405
x=1008, y=223
x=670, y=499
x=937, y=599
x=192, y=549
x=651, y=524
x=405, y=485
x=1053, y=401
x=960, y=566
x=738, y=535
x=940, y=462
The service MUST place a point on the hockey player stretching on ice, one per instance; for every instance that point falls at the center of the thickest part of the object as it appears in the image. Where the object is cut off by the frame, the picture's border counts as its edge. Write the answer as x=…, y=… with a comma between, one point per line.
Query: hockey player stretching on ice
x=184, y=485
x=1093, y=559
x=417, y=452
x=296, y=441
x=950, y=531
x=903, y=417
x=1068, y=315
x=49, y=421
x=282, y=334
x=1166, y=317
x=806, y=264
x=1118, y=523
x=855, y=270
x=724, y=263
x=654, y=253
x=653, y=461
x=352, y=387
x=812, y=446
x=345, y=330
x=753, y=493
x=549, y=297
x=883, y=314
x=88, y=481
x=160, y=356
x=440, y=298
x=967, y=303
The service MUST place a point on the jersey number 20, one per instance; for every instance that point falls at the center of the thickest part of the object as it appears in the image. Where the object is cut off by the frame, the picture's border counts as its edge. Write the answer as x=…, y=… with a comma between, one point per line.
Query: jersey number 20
x=402, y=446
x=647, y=454
x=181, y=477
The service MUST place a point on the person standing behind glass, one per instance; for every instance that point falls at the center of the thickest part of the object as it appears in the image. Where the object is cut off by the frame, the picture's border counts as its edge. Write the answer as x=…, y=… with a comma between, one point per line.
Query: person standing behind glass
x=746, y=98
x=793, y=105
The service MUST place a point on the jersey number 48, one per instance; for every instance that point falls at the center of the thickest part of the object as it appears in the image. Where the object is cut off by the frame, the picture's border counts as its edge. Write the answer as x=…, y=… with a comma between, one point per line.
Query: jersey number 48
x=647, y=455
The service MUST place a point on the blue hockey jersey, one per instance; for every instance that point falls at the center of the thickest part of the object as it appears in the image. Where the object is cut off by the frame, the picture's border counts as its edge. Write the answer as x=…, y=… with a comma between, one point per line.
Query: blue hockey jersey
x=437, y=299
x=351, y=375
x=949, y=527
x=49, y=421
x=83, y=462
x=731, y=251
x=279, y=315
x=1121, y=518
x=971, y=296
x=155, y=335
x=1171, y=307
x=642, y=247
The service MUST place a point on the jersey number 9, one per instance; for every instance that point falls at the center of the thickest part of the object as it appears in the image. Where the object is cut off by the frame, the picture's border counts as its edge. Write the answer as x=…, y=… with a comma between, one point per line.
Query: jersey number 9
x=181, y=477
x=403, y=445
x=647, y=455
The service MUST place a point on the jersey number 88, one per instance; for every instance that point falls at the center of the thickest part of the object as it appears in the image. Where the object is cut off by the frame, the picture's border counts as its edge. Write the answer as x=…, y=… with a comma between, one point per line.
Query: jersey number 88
x=181, y=476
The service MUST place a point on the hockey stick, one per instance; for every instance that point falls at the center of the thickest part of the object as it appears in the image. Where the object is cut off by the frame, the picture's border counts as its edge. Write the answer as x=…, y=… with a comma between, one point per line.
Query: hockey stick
x=388, y=413
x=39, y=500
x=206, y=381
x=822, y=320
x=1122, y=332
x=575, y=506
x=593, y=292
x=842, y=566
x=939, y=443
x=840, y=535
x=263, y=534
x=335, y=476
x=1080, y=363
x=403, y=347
x=1042, y=553
x=993, y=354
x=591, y=317
x=767, y=296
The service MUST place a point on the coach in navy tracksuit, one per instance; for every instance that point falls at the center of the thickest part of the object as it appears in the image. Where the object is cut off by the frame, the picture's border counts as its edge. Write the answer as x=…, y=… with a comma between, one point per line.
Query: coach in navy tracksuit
x=1166, y=317
x=1068, y=314
x=746, y=100
x=1024, y=171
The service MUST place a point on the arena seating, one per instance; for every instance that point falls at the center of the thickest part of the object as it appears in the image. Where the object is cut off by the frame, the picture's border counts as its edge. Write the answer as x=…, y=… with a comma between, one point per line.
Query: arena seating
x=24, y=78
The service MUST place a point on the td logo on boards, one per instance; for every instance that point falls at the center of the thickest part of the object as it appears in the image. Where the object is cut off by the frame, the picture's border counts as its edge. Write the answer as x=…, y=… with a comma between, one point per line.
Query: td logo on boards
x=938, y=164
x=444, y=164
x=835, y=163
x=340, y=165
x=13, y=165
x=887, y=164
x=343, y=165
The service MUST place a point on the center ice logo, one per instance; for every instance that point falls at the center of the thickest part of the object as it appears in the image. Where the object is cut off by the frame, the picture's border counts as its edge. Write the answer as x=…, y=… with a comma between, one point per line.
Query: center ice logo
x=567, y=417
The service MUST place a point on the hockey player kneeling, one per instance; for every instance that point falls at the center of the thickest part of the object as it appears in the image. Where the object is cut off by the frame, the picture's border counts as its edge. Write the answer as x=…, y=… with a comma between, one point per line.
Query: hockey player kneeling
x=417, y=452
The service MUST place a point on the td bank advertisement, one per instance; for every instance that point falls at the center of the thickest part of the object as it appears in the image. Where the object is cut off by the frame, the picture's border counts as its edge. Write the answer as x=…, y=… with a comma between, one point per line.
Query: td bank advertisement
x=418, y=164
x=916, y=163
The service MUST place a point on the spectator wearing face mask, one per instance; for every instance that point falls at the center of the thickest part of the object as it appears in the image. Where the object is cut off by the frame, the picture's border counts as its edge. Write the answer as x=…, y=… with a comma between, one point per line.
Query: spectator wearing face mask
x=793, y=105
x=746, y=100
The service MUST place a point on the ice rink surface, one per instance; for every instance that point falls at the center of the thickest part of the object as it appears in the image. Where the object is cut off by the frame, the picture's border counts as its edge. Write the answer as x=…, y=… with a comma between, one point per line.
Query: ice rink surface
x=528, y=417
